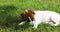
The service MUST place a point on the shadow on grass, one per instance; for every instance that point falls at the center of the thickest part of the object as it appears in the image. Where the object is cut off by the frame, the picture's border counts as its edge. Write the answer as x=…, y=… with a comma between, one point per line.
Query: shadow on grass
x=10, y=21
x=7, y=8
x=5, y=19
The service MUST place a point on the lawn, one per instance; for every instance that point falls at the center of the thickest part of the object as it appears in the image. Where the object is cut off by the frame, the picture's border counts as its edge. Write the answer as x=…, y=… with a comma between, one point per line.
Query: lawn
x=10, y=11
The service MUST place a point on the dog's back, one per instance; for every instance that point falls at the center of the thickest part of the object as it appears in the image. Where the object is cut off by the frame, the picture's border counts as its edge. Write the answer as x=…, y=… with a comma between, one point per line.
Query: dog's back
x=45, y=15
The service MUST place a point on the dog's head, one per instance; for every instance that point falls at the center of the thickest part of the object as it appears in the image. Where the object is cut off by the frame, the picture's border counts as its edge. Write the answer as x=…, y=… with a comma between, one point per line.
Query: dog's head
x=24, y=16
x=28, y=14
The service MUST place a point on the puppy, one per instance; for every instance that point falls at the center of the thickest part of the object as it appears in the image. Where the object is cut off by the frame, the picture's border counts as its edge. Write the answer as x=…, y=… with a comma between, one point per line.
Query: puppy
x=37, y=17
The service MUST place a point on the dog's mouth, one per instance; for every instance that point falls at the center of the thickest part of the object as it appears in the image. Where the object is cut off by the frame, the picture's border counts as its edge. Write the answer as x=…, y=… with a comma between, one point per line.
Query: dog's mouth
x=25, y=19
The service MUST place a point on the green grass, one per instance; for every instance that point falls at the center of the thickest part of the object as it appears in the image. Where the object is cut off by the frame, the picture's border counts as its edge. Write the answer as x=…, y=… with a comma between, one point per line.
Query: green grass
x=11, y=9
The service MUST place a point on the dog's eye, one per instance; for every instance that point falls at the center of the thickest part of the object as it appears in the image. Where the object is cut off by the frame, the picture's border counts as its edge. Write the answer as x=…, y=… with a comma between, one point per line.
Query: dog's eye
x=24, y=15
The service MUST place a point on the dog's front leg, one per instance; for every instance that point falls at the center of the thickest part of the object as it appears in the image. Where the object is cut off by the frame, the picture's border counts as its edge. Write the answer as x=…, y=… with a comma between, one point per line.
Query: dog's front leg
x=22, y=23
x=35, y=23
x=35, y=26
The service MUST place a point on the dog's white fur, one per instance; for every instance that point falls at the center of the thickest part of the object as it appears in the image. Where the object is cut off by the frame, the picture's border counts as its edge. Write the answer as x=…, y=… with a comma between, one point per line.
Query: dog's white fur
x=45, y=17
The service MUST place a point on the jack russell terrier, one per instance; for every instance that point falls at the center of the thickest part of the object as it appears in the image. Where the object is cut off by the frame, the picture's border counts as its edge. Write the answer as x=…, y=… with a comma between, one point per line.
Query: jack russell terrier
x=38, y=17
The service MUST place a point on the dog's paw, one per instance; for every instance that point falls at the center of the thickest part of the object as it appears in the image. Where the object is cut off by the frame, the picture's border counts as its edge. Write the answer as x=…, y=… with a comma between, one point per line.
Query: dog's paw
x=34, y=27
x=21, y=23
x=55, y=24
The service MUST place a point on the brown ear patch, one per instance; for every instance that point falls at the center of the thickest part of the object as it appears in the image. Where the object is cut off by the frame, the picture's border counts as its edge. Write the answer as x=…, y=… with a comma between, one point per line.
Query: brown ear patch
x=31, y=14
x=31, y=11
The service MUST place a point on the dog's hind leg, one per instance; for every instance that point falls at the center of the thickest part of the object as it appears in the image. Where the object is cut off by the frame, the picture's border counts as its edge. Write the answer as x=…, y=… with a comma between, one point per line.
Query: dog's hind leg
x=55, y=22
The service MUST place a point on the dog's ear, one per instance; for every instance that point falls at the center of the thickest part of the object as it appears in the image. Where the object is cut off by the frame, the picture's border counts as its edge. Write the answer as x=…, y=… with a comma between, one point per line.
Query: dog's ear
x=31, y=11
x=31, y=14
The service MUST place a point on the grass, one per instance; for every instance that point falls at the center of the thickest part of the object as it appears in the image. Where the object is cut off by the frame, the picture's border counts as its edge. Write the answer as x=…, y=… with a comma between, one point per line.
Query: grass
x=11, y=9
